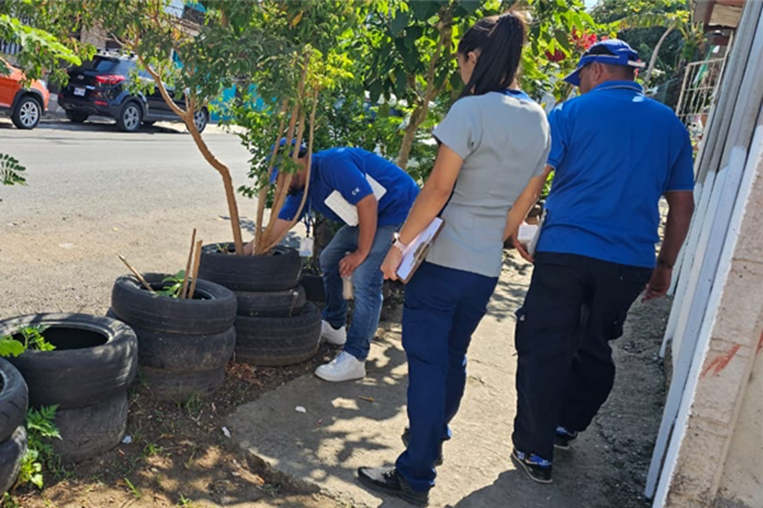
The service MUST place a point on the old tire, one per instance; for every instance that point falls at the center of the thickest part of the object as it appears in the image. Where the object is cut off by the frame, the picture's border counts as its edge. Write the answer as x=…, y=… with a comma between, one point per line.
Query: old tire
x=12, y=450
x=180, y=353
x=95, y=359
x=314, y=288
x=211, y=315
x=88, y=432
x=179, y=386
x=274, y=342
x=276, y=272
x=274, y=304
x=14, y=399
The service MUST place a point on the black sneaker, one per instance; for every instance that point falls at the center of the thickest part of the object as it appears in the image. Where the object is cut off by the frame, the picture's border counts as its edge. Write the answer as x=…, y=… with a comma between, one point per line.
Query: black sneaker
x=407, y=437
x=564, y=438
x=388, y=481
x=538, y=469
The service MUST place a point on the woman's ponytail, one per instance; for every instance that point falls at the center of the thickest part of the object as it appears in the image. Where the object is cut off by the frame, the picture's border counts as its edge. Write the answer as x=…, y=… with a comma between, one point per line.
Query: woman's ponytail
x=499, y=40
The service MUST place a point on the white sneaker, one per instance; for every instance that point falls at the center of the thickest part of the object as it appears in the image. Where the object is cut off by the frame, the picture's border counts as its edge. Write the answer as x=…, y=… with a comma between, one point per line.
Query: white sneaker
x=344, y=367
x=334, y=336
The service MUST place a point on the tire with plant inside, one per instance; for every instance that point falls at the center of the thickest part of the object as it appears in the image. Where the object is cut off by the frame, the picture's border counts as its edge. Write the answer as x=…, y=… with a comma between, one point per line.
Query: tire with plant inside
x=278, y=341
x=86, y=376
x=211, y=312
x=12, y=452
x=273, y=304
x=94, y=359
x=278, y=271
x=184, y=344
x=14, y=399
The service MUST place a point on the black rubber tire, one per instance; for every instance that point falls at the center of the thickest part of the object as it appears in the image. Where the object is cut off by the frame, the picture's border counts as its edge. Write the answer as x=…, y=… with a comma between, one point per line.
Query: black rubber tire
x=75, y=116
x=181, y=353
x=77, y=377
x=12, y=450
x=29, y=101
x=91, y=431
x=277, y=272
x=314, y=288
x=180, y=386
x=271, y=304
x=14, y=399
x=137, y=307
x=203, y=120
x=274, y=342
x=122, y=119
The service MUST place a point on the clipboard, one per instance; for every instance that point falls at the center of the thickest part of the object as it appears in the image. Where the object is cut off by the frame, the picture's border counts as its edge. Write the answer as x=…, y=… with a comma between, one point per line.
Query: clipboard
x=417, y=250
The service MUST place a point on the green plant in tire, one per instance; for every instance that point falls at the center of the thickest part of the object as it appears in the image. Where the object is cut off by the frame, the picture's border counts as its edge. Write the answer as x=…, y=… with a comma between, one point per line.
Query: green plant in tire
x=32, y=339
x=172, y=285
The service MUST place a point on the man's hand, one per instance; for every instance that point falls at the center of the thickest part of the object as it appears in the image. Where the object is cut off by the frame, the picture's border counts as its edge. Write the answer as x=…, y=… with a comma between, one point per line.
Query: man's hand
x=351, y=262
x=659, y=284
x=249, y=248
x=392, y=263
x=521, y=249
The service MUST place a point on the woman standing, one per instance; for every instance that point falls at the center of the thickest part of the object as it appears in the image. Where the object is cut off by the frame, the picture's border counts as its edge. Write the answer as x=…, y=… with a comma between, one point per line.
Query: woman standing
x=493, y=141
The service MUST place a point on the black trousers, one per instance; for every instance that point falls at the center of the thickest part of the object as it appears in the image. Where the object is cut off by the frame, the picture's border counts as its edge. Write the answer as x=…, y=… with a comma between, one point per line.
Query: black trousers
x=574, y=307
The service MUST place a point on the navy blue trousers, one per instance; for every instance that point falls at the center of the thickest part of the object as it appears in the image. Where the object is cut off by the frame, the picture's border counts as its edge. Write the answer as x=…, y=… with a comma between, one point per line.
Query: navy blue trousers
x=442, y=309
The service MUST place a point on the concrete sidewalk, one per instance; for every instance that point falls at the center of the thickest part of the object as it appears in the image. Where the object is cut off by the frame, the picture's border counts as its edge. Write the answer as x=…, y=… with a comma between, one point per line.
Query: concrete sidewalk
x=359, y=424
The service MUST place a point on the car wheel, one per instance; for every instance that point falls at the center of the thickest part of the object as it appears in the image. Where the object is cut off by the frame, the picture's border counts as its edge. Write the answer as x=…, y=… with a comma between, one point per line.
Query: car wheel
x=130, y=118
x=28, y=113
x=75, y=116
x=200, y=119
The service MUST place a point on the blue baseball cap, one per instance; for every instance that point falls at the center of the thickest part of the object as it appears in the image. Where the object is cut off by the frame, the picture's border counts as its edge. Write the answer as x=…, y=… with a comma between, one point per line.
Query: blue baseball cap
x=610, y=51
x=274, y=174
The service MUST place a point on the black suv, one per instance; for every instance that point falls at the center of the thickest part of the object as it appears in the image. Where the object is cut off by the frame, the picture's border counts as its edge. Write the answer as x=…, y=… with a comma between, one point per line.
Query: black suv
x=98, y=88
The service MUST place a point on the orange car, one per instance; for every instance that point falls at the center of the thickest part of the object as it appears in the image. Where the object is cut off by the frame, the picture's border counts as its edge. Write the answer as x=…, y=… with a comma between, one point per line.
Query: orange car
x=25, y=105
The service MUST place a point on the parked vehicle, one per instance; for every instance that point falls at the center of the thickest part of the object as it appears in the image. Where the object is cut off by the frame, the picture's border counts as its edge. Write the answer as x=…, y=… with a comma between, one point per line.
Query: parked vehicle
x=100, y=87
x=24, y=104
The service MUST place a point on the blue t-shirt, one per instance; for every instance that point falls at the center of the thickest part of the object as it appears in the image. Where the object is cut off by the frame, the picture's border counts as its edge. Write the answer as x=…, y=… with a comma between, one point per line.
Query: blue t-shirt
x=616, y=152
x=345, y=170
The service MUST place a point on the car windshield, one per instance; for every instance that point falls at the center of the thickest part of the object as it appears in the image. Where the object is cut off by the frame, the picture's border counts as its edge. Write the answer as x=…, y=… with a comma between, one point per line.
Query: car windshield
x=109, y=65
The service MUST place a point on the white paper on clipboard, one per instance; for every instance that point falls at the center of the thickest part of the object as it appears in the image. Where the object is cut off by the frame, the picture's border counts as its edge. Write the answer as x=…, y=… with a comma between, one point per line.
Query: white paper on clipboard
x=347, y=212
x=417, y=250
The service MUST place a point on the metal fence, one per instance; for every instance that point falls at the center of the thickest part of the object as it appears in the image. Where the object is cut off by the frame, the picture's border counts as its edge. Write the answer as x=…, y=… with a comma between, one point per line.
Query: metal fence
x=699, y=86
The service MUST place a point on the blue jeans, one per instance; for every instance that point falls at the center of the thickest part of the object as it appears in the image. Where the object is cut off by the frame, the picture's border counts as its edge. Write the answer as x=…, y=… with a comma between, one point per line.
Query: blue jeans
x=443, y=307
x=367, y=281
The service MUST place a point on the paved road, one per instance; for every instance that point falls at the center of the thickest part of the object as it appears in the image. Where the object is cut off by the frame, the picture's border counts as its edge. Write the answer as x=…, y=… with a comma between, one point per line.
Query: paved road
x=94, y=192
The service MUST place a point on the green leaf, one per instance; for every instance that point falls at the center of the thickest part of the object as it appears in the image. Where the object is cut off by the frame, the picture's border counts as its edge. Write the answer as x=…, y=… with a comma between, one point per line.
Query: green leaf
x=399, y=23
x=10, y=347
x=471, y=6
x=563, y=40
x=423, y=9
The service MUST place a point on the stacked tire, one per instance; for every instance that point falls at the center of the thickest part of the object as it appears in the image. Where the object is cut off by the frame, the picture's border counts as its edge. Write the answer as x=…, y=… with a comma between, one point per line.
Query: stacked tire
x=86, y=377
x=14, y=399
x=184, y=343
x=275, y=325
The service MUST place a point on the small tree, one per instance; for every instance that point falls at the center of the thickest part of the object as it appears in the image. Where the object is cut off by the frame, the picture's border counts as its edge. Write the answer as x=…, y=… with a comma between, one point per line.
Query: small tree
x=284, y=47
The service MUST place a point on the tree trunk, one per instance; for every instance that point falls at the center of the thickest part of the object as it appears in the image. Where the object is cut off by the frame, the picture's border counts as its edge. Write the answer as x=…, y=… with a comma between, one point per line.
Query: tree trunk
x=422, y=109
x=653, y=60
x=221, y=168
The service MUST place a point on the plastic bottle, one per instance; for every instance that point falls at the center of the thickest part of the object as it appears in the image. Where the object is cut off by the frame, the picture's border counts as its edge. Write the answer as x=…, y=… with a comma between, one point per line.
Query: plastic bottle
x=348, y=292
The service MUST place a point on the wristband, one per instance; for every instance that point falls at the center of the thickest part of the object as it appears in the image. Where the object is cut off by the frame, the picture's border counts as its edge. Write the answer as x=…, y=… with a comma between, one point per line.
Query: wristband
x=398, y=244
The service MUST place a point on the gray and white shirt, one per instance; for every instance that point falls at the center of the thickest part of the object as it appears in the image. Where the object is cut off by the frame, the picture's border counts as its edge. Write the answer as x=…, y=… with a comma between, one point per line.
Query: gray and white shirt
x=504, y=139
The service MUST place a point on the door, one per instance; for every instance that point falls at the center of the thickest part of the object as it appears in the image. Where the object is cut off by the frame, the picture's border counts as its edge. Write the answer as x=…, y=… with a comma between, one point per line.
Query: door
x=9, y=85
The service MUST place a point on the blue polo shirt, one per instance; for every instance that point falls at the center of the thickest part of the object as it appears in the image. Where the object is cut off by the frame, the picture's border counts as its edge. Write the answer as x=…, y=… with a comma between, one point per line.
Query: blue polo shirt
x=345, y=170
x=616, y=152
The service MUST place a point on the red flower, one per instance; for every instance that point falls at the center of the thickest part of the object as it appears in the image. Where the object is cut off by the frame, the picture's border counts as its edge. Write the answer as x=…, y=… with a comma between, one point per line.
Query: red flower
x=556, y=56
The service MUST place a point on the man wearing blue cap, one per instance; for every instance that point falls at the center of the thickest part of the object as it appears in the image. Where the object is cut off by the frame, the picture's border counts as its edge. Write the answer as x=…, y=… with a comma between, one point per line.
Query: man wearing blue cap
x=615, y=153
x=341, y=179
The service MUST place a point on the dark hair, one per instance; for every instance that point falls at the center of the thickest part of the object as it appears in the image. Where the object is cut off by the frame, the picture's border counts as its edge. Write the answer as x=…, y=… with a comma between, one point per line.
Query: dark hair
x=625, y=71
x=500, y=40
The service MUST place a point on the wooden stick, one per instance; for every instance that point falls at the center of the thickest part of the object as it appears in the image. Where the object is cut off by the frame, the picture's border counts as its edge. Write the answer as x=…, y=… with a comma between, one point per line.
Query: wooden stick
x=196, y=262
x=188, y=266
x=138, y=275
